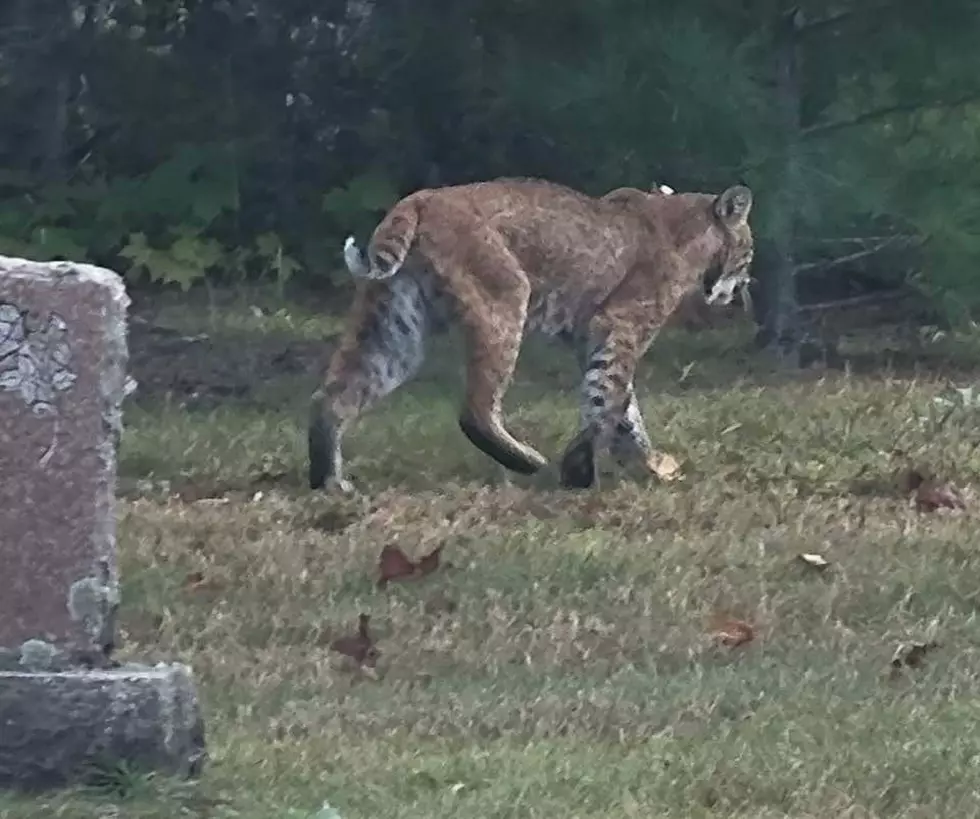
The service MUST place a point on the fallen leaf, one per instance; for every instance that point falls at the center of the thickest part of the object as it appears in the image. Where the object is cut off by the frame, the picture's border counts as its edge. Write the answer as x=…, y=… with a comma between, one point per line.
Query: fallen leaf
x=198, y=582
x=359, y=647
x=733, y=633
x=665, y=467
x=814, y=560
x=430, y=562
x=929, y=497
x=927, y=493
x=394, y=564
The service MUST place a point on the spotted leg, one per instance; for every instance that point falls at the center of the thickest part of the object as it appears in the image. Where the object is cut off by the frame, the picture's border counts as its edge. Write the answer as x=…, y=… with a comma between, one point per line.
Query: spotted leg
x=631, y=442
x=606, y=395
x=630, y=439
x=610, y=418
x=382, y=348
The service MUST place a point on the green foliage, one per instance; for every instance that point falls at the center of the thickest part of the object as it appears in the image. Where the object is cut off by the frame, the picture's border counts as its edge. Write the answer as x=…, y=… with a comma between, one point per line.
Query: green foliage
x=186, y=260
x=269, y=249
x=195, y=139
x=357, y=204
x=161, y=224
x=655, y=98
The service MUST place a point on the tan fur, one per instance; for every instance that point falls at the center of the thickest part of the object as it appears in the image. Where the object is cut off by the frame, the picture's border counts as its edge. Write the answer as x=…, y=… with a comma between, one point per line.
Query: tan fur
x=509, y=256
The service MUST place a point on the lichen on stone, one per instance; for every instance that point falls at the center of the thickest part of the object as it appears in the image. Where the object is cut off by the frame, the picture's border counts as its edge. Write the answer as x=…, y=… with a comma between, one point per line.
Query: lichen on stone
x=38, y=655
x=35, y=358
x=92, y=602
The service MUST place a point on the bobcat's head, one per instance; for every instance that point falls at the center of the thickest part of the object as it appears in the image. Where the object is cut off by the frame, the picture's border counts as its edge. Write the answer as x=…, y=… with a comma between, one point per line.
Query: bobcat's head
x=731, y=210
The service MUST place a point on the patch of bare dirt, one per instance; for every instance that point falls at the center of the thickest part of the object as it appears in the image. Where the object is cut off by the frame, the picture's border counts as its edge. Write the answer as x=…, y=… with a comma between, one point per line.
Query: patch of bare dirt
x=207, y=369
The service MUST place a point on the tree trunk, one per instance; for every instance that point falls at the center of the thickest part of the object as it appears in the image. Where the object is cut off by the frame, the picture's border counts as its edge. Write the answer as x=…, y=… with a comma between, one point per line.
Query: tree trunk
x=53, y=128
x=57, y=72
x=780, y=328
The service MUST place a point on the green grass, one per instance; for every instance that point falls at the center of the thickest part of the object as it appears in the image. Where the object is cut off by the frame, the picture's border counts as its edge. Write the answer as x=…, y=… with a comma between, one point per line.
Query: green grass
x=562, y=666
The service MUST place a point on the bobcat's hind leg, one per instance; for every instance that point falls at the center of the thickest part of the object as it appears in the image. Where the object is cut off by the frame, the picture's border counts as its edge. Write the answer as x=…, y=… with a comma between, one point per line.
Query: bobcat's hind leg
x=492, y=356
x=382, y=348
x=493, y=313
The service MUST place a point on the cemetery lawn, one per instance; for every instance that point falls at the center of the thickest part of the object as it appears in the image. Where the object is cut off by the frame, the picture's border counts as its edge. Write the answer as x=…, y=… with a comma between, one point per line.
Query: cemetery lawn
x=563, y=664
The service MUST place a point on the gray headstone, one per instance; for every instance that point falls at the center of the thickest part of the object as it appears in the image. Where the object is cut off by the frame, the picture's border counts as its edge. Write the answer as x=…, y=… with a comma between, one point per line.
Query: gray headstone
x=62, y=380
x=62, y=383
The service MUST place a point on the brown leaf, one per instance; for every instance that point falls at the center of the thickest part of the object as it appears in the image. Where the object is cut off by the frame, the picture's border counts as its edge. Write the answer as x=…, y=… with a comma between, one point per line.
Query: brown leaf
x=359, y=647
x=929, y=497
x=926, y=492
x=733, y=633
x=665, y=467
x=199, y=582
x=430, y=562
x=394, y=564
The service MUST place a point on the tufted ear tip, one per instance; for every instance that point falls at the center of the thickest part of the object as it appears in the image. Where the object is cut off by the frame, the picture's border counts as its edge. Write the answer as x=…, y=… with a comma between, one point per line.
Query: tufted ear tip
x=734, y=205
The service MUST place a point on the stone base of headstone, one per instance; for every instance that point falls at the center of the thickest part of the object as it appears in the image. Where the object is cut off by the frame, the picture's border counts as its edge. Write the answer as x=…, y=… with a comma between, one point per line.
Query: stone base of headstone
x=66, y=727
x=66, y=713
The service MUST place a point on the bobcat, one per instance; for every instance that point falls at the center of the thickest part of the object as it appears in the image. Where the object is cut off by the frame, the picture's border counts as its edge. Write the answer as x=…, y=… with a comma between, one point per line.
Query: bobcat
x=510, y=256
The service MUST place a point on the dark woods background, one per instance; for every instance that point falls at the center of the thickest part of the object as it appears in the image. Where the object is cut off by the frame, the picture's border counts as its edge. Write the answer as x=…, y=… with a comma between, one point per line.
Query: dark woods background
x=218, y=141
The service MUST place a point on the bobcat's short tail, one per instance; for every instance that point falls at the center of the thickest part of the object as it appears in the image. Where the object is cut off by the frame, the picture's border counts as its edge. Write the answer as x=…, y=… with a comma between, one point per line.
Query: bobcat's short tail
x=389, y=245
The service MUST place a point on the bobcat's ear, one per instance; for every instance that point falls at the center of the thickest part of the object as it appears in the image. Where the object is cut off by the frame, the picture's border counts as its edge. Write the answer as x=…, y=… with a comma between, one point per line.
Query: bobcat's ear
x=734, y=205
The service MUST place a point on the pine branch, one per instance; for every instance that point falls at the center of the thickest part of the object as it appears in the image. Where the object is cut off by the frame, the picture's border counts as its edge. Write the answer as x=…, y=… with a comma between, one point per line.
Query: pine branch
x=858, y=254
x=888, y=111
x=859, y=10
x=840, y=240
x=826, y=22
x=870, y=299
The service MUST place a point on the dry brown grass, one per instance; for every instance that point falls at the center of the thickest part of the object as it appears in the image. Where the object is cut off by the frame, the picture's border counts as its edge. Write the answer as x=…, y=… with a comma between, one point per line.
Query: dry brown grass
x=563, y=664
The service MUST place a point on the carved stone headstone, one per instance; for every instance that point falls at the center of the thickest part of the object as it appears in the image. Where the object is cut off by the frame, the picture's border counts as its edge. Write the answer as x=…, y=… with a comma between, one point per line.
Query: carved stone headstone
x=62, y=375
x=63, y=702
